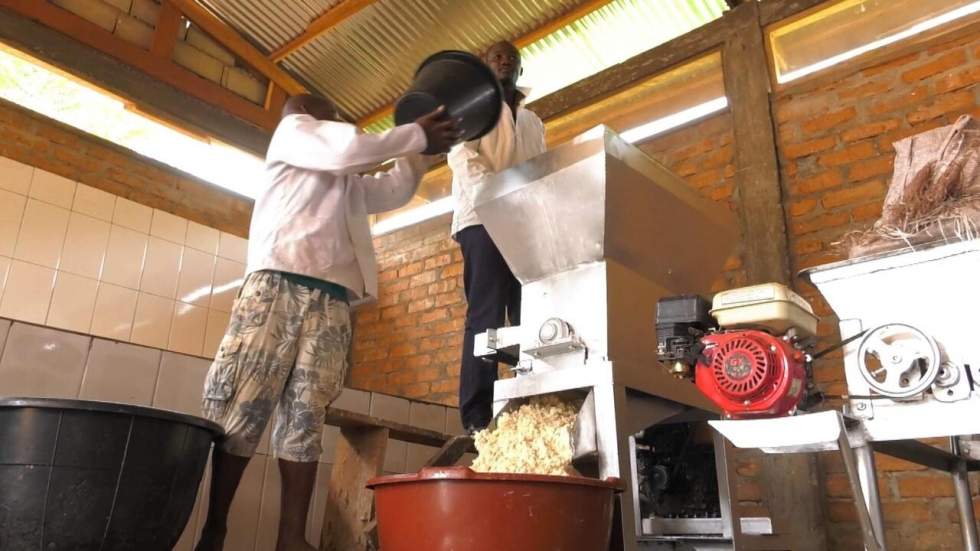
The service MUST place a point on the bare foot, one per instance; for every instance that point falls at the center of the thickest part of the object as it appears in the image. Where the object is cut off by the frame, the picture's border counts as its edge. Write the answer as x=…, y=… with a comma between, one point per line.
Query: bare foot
x=211, y=540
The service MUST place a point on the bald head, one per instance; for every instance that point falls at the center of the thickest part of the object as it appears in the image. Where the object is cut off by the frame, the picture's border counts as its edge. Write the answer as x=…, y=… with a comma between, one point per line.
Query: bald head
x=308, y=104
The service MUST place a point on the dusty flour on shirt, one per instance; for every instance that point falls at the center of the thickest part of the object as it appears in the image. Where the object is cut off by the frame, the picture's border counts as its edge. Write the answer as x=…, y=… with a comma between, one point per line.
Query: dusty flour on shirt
x=534, y=439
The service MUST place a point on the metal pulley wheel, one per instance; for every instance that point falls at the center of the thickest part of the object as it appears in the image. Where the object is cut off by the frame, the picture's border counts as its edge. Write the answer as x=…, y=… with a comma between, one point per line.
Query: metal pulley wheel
x=898, y=360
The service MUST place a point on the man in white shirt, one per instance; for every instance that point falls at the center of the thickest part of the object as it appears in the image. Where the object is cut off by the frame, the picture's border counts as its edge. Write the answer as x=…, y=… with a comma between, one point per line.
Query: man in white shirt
x=492, y=292
x=309, y=250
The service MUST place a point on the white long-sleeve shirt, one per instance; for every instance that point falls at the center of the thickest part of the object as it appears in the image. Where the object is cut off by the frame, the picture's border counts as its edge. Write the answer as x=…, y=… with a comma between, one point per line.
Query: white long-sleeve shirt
x=311, y=217
x=509, y=144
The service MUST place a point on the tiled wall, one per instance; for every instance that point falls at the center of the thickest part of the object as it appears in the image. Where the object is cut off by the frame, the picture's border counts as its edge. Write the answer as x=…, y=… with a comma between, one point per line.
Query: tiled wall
x=102, y=298
x=78, y=258
x=43, y=361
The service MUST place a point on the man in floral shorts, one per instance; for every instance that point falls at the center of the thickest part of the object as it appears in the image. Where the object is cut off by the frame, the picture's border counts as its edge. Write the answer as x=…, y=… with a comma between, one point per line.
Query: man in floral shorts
x=309, y=250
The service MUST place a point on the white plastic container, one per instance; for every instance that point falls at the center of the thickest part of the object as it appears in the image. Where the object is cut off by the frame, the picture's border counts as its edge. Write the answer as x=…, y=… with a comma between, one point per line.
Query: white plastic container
x=772, y=306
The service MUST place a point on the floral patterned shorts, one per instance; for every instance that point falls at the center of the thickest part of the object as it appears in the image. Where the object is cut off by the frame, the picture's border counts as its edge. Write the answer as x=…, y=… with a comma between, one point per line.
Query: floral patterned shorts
x=285, y=350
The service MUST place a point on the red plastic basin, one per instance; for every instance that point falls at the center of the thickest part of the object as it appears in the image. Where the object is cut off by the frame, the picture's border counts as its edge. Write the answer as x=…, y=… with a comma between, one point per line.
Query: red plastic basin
x=457, y=509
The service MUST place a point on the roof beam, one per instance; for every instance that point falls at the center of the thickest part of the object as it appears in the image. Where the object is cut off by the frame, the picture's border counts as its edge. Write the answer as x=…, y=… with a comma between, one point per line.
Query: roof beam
x=328, y=20
x=165, y=71
x=165, y=35
x=238, y=45
x=570, y=16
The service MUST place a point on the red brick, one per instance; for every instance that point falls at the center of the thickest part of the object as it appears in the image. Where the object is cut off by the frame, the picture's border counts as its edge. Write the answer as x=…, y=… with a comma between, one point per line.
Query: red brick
x=890, y=64
x=929, y=485
x=425, y=278
x=795, y=151
x=448, y=299
x=829, y=120
x=955, y=81
x=421, y=305
x=848, y=155
x=807, y=246
x=822, y=222
x=387, y=275
x=899, y=101
x=936, y=66
x=723, y=191
x=886, y=141
x=947, y=103
x=869, y=130
x=871, y=211
x=865, y=89
x=719, y=157
x=880, y=166
x=452, y=270
x=907, y=511
x=705, y=178
x=422, y=360
x=797, y=107
x=825, y=180
x=853, y=194
x=887, y=463
x=410, y=269
x=685, y=168
x=799, y=208
x=439, y=314
x=841, y=511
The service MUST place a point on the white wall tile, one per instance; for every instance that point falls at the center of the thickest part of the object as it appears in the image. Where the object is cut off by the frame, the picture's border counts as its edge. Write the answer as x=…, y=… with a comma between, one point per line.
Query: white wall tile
x=217, y=325
x=202, y=238
x=132, y=215
x=115, y=308
x=120, y=372
x=180, y=384
x=314, y=524
x=188, y=329
x=94, y=202
x=232, y=247
x=73, y=302
x=124, y=257
x=11, y=214
x=42, y=362
x=4, y=269
x=169, y=227
x=161, y=268
x=27, y=294
x=85, y=246
x=194, y=281
x=357, y=401
x=228, y=276
x=395, y=456
x=151, y=326
x=14, y=176
x=52, y=188
x=388, y=407
x=42, y=234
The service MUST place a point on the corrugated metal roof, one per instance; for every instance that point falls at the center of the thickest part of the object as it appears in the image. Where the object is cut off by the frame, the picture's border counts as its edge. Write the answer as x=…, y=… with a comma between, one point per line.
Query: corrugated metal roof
x=367, y=61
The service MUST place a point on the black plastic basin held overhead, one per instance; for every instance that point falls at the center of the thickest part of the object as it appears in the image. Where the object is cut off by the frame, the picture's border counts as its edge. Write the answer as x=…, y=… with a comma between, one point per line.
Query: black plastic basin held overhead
x=461, y=82
x=78, y=475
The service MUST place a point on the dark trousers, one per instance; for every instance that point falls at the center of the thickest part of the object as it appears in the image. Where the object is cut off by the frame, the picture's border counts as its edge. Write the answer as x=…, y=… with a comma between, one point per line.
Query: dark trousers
x=492, y=293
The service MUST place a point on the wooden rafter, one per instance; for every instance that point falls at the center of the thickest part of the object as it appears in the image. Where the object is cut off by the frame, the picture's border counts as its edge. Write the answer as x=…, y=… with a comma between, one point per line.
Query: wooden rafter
x=166, y=71
x=165, y=35
x=326, y=21
x=570, y=16
x=230, y=39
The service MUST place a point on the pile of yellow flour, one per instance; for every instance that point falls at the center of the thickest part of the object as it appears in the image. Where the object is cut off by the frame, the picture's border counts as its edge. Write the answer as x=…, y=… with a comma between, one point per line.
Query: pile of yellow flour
x=534, y=439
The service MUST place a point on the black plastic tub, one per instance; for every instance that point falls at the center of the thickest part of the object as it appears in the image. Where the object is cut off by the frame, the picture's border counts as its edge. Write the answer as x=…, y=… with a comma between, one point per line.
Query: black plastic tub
x=460, y=81
x=79, y=475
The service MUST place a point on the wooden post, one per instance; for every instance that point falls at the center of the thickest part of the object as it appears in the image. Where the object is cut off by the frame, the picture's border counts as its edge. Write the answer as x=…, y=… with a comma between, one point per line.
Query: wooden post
x=165, y=35
x=791, y=481
x=349, y=513
x=747, y=86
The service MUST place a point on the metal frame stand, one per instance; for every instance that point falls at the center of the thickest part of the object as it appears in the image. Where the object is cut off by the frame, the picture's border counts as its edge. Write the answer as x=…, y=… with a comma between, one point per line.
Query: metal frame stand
x=832, y=431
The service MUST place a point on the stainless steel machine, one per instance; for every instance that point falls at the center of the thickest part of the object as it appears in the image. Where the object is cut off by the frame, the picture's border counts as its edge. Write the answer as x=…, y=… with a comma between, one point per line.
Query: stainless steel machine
x=597, y=232
x=912, y=367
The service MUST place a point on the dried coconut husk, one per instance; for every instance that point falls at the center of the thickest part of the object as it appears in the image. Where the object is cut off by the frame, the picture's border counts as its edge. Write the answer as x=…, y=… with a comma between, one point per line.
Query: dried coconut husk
x=934, y=195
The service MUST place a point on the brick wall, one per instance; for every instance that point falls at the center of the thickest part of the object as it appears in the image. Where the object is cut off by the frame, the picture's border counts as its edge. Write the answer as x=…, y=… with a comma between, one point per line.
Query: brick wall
x=135, y=20
x=835, y=152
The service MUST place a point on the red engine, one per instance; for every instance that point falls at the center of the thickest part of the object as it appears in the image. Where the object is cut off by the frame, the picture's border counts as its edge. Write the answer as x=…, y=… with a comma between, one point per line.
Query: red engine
x=751, y=374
